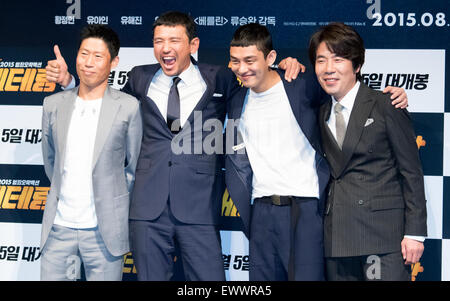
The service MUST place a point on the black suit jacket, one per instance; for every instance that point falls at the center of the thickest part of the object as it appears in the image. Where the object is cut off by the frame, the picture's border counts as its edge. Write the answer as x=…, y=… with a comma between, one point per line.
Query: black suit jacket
x=376, y=191
x=192, y=181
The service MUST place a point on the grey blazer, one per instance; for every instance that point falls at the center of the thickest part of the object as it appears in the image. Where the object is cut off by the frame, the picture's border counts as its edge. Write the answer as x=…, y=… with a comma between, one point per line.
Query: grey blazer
x=117, y=143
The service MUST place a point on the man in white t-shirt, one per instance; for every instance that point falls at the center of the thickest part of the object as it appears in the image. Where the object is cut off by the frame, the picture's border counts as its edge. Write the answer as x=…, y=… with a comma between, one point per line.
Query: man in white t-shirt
x=91, y=137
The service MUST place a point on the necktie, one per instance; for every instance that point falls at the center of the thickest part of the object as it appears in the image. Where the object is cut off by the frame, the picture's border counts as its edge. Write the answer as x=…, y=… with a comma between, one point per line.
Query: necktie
x=340, y=124
x=173, y=107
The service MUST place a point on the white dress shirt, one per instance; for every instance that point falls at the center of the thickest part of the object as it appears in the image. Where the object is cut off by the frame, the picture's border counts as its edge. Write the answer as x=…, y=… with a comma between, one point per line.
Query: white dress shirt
x=76, y=208
x=347, y=102
x=191, y=89
x=281, y=157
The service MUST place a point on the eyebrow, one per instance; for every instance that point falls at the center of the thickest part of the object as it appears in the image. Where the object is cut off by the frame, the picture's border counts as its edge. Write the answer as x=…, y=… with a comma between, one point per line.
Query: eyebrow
x=92, y=50
x=244, y=58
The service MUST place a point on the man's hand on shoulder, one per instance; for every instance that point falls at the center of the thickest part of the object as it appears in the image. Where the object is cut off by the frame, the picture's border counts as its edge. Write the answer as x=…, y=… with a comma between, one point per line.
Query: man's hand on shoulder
x=399, y=97
x=292, y=68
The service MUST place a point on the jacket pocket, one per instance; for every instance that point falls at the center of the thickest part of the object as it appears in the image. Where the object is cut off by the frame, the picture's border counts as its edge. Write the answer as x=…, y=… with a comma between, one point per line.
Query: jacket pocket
x=386, y=203
x=206, y=169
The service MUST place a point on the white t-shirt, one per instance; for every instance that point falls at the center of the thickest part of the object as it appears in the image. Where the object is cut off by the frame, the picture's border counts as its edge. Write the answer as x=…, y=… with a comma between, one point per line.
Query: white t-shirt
x=76, y=208
x=281, y=157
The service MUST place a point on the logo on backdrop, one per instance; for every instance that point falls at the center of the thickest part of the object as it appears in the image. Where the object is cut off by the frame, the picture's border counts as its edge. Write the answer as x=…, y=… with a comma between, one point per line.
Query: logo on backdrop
x=420, y=142
x=415, y=270
x=23, y=76
x=228, y=207
x=22, y=194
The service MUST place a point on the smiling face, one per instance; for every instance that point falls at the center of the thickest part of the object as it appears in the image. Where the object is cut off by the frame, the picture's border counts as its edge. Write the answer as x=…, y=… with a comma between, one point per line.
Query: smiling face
x=173, y=49
x=250, y=66
x=335, y=74
x=94, y=63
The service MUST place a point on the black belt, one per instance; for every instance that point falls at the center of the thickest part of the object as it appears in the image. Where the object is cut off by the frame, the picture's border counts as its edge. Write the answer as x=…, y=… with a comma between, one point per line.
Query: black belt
x=277, y=200
x=293, y=201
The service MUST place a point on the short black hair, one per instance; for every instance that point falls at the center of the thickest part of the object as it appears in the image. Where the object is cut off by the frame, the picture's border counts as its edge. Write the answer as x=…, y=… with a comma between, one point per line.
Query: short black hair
x=253, y=34
x=342, y=40
x=174, y=18
x=104, y=33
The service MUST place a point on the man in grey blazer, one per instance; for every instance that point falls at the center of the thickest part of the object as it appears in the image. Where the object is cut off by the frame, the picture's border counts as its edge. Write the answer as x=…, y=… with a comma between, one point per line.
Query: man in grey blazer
x=375, y=217
x=91, y=138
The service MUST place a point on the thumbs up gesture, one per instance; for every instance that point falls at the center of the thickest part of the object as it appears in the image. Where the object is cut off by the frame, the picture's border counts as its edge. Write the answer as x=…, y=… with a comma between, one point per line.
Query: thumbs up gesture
x=56, y=70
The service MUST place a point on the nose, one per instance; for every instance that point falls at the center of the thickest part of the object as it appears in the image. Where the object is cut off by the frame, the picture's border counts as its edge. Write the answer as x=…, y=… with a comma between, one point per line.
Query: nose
x=329, y=66
x=89, y=60
x=242, y=68
x=166, y=47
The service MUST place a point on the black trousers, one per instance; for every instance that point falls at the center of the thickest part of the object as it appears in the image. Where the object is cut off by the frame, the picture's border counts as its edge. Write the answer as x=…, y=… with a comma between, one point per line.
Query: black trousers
x=272, y=242
x=381, y=267
x=154, y=244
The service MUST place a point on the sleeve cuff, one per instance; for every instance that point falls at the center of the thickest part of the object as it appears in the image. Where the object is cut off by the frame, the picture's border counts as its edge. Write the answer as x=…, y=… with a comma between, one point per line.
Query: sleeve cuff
x=418, y=238
x=71, y=85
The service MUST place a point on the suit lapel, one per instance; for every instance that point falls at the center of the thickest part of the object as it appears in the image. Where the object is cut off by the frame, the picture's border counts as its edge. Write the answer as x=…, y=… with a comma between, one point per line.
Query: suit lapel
x=361, y=110
x=108, y=111
x=146, y=87
x=293, y=101
x=63, y=117
x=209, y=79
x=303, y=118
x=238, y=104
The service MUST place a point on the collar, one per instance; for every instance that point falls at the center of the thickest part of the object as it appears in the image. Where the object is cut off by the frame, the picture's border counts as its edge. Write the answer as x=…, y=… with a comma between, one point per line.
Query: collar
x=349, y=99
x=188, y=76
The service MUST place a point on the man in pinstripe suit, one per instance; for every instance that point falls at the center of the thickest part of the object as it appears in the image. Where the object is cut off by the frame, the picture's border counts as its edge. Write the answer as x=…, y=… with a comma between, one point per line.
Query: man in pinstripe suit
x=375, y=217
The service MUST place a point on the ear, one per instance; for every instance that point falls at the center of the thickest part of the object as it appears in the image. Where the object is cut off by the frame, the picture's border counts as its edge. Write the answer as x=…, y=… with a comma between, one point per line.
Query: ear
x=114, y=62
x=271, y=57
x=358, y=69
x=194, y=44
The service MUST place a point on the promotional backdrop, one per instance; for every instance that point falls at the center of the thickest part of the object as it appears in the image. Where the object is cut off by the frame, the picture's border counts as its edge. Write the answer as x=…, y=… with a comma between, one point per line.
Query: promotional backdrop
x=407, y=46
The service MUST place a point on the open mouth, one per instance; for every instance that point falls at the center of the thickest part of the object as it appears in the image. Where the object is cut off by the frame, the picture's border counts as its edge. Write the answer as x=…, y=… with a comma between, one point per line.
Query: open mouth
x=169, y=60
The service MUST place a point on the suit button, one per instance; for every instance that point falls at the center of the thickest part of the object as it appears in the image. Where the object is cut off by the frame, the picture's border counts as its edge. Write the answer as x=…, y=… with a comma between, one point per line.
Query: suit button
x=170, y=163
x=370, y=151
x=360, y=202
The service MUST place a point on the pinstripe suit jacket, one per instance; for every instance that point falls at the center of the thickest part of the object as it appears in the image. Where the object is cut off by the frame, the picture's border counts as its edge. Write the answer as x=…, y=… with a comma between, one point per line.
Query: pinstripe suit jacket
x=376, y=193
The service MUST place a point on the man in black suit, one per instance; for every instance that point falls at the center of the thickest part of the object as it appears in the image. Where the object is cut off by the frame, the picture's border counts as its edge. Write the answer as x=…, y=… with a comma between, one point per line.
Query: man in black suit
x=375, y=216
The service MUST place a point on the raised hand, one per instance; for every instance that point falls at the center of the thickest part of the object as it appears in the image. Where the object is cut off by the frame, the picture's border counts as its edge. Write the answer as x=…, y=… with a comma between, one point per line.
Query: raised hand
x=56, y=70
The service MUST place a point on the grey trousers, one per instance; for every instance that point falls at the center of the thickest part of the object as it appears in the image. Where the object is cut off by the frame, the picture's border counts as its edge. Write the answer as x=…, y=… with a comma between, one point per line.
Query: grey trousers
x=67, y=248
